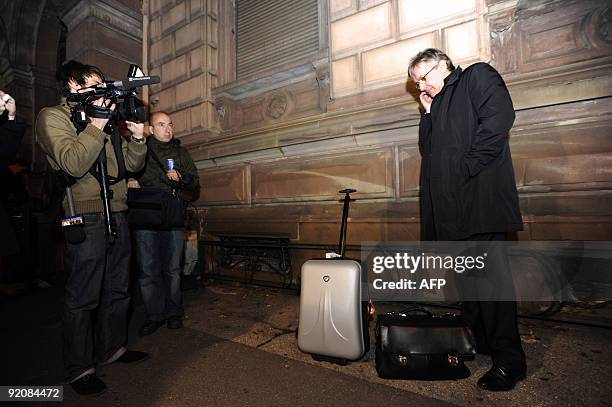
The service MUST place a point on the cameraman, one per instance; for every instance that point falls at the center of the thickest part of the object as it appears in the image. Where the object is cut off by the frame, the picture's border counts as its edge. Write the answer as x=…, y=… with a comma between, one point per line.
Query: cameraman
x=99, y=271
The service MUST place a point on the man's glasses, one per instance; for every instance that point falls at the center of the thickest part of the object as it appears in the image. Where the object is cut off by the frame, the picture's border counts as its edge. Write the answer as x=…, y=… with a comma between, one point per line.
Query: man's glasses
x=420, y=82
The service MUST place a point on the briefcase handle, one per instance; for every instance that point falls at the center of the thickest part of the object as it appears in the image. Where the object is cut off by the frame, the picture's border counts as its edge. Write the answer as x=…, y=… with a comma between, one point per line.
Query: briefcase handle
x=411, y=309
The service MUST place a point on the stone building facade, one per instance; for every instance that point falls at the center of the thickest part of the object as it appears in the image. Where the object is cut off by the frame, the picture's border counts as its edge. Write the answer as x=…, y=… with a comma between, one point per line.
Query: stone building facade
x=286, y=138
x=36, y=37
x=283, y=103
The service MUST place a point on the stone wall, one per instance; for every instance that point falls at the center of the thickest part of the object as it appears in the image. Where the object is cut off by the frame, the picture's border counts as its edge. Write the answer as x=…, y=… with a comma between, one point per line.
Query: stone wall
x=286, y=147
x=105, y=33
x=274, y=148
x=184, y=50
x=36, y=37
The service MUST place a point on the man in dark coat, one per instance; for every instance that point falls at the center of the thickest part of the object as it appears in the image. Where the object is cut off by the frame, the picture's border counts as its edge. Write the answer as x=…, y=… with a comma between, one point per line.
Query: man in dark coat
x=12, y=129
x=468, y=191
x=160, y=251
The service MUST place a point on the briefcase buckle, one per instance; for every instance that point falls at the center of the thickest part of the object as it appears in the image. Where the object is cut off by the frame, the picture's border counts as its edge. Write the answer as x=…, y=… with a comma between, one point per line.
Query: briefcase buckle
x=453, y=360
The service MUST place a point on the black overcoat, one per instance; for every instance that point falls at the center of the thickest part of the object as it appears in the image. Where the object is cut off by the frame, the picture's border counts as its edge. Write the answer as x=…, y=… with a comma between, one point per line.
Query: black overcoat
x=11, y=133
x=467, y=183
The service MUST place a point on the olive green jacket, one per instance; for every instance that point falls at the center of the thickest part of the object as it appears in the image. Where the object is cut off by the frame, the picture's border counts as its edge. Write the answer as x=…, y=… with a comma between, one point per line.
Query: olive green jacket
x=76, y=154
x=154, y=175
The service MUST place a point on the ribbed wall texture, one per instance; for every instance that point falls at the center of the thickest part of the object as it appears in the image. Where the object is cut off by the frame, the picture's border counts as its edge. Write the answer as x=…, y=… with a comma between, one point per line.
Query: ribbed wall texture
x=270, y=33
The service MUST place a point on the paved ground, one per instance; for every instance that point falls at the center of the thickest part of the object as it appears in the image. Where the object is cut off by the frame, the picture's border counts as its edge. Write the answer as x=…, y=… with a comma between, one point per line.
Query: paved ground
x=238, y=347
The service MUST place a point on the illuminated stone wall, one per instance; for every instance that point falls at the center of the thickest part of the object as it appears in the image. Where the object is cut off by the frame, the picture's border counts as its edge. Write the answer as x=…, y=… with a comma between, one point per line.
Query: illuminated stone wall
x=273, y=148
x=289, y=140
x=184, y=52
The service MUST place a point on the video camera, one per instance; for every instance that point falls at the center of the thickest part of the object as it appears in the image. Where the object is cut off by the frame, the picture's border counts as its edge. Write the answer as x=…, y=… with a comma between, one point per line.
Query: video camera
x=121, y=92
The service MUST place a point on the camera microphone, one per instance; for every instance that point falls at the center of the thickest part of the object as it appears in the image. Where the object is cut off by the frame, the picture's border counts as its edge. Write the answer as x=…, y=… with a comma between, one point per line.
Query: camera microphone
x=136, y=81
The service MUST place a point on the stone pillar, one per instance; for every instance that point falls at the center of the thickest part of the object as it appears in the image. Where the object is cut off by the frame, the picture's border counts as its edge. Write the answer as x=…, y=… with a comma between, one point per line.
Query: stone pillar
x=184, y=52
x=105, y=33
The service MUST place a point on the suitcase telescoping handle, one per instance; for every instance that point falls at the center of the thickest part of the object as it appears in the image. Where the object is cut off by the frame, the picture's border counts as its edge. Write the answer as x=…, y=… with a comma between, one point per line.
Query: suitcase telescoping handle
x=343, y=225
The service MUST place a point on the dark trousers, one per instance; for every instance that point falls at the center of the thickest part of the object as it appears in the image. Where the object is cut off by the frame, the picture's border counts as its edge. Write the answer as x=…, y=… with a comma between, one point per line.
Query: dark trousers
x=20, y=231
x=495, y=323
x=97, y=289
x=159, y=258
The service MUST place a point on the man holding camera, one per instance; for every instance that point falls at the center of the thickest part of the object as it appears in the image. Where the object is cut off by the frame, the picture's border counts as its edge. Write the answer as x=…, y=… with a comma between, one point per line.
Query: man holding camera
x=169, y=167
x=97, y=287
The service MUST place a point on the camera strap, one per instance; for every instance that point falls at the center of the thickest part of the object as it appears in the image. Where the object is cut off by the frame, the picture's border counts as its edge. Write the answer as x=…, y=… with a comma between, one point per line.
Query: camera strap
x=98, y=112
x=170, y=183
x=78, y=118
x=156, y=158
x=116, y=142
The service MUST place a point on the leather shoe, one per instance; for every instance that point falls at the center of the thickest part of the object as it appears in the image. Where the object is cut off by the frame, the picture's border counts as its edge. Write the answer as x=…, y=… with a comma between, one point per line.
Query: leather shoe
x=500, y=378
x=175, y=323
x=133, y=356
x=89, y=385
x=149, y=327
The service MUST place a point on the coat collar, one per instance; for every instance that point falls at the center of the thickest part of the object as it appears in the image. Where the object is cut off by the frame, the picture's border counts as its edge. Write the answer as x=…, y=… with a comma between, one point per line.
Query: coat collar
x=66, y=105
x=451, y=79
x=153, y=142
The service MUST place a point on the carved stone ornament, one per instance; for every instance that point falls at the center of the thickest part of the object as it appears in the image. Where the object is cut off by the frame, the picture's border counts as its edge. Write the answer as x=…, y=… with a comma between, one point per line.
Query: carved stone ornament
x=220, y=108
x=276, y=106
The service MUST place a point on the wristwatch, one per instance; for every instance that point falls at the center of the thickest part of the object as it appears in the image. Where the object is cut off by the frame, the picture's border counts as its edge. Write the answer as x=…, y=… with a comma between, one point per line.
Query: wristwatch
x=139, y=140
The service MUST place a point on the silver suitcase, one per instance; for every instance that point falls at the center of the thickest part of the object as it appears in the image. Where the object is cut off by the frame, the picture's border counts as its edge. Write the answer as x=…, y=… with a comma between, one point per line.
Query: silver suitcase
x=334, y=317
x=331, y=311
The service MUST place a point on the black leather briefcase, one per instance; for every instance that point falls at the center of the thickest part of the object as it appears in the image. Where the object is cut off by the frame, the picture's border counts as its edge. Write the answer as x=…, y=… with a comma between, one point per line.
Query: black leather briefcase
x=421, y=346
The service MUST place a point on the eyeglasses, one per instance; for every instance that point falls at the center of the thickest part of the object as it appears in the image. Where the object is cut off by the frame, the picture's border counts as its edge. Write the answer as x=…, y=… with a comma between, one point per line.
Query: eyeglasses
x=420, y=82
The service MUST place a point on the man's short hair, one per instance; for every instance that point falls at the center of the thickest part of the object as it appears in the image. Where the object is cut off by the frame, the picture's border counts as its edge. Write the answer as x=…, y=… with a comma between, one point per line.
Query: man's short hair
x=429, y=54
x=77, y=72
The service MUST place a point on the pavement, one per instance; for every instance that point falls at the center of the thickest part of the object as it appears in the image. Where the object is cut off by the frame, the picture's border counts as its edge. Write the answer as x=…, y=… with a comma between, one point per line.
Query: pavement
x=238, y=348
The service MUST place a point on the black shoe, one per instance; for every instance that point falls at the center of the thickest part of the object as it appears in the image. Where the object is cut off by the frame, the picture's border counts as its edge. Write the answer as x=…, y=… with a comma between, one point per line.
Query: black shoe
x=133, y=356
x=175, y=323
x=500, y=378
x=89, y=385
x=149, y=327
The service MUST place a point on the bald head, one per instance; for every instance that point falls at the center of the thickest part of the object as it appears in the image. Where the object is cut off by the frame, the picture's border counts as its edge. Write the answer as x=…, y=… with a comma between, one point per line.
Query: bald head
x=160, y=126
